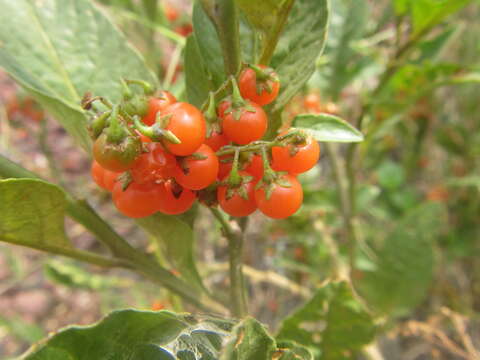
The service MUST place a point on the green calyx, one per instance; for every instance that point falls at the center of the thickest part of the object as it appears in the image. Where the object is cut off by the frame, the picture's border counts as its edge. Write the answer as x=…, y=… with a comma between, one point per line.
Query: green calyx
x=125, y=151
x=238, y=105
x=98, y=124
x=157, y=131
x=117, y=131
x=264, y=79
x=211, y=113
x=270, y=177
x=136, y=105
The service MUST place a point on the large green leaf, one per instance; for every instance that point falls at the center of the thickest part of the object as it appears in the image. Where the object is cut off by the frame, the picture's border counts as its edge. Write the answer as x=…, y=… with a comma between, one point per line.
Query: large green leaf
x=325, y=127
x=300, y=45
x=208, y=44
x=332, y=324
x=139, y=335
x=32, y=214
x=177, y=240
x=60, y=49
x=262, y=14
x=404, y=266
x=210, y=48
x=249, y=341
x=199, y=81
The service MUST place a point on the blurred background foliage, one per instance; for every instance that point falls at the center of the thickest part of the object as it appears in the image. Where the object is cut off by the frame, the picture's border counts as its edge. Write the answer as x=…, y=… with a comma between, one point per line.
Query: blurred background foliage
x=411, y=70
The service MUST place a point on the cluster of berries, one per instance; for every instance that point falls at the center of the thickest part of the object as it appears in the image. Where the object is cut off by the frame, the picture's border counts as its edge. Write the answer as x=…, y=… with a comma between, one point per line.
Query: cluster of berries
x=174, y=154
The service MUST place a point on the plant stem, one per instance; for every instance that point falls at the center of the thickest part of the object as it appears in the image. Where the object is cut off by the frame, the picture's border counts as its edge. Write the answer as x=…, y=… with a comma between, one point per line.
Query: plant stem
x=238, y=295
x=271, y=40
x=258, y=145
x=81, y=255
x=395, y=63
x=224, y=15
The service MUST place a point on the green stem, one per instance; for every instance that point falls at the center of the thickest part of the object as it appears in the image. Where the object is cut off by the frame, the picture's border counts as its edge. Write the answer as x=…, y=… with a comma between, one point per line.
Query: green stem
x=271, y=40
x=258, y=145
x=341, y=179
x=394, y=64
x=238, y=295
x=224, y=15
x=85, y=256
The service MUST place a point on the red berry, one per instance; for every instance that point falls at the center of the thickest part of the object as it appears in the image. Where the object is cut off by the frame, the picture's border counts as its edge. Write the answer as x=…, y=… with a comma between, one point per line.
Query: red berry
x=283, y=201
x=198, y=170
x=261, y=92
x=250, y=124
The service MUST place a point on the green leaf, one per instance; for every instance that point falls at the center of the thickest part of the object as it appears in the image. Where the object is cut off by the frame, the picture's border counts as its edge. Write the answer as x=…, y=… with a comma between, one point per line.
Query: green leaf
x=208, y=44
x=176, y=240
x=301, y=43
x=346, y=63
x=33, y=214
x=60, y=49
x=249, y=341
x=428, y=13
x=332, y=324
x=268, y=19
x=328, y=128
x=262, y=14
x=198, y=79
x=404, y=266
x=131, y=334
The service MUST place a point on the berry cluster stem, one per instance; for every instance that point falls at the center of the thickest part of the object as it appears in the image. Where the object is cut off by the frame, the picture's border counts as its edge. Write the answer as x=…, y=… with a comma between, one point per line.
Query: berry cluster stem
x=257, y=146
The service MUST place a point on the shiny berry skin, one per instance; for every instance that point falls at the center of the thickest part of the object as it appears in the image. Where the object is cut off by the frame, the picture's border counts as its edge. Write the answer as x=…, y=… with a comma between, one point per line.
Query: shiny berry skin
x=216, y=141
x=199, y=170
x=188, y=125
x=250, y=126
x=154, y=165
x=116, y=157
x=158, y=104
x=283, y=202
x=237, y=205
x=305, y=158
x=174, y=199
x=258, y=90
x=255, y=167
x=137, y=200
x=103, y=177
